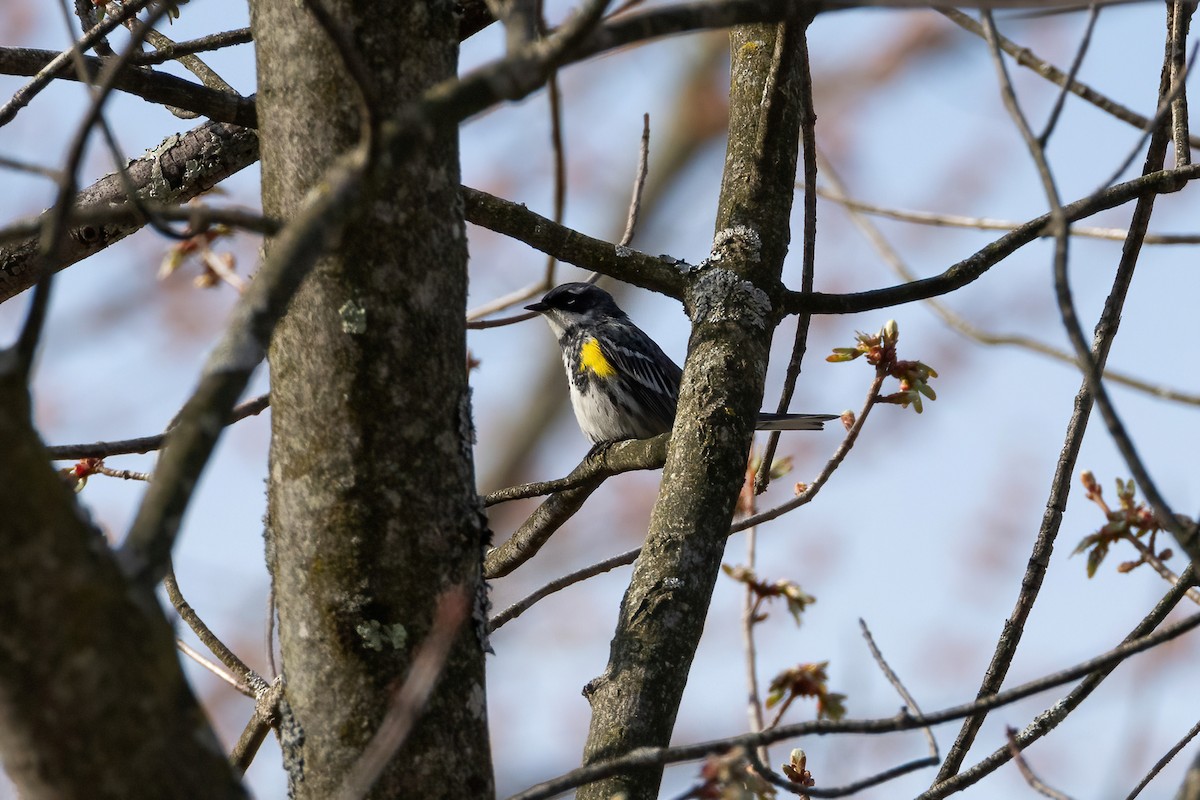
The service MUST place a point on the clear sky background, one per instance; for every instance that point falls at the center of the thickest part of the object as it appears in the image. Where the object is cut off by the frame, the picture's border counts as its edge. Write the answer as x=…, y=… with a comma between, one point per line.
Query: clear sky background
x=924, y=532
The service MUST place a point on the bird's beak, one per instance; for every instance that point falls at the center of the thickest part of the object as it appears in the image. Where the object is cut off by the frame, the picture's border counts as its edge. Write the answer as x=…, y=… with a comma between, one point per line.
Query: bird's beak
x=538, y=307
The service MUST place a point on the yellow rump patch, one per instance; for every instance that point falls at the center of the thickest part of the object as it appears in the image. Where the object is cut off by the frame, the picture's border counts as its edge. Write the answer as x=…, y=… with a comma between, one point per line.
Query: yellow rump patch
x=590, y=358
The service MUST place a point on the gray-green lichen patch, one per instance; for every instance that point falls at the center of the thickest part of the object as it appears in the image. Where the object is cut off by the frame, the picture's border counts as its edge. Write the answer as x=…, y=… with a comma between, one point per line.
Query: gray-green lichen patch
x=719, y=295
x=740, y=242
x=376, y=636
x=158, y=187
x=354, y=317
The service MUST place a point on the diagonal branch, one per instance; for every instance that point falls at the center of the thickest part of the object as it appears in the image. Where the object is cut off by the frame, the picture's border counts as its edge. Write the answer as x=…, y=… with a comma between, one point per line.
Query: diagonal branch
x=150, y=85
x=176, y=171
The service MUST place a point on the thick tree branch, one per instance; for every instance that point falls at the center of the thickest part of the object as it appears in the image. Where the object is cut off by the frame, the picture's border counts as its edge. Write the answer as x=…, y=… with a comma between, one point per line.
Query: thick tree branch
x=635, y=701
x=177, y=170
x=83, y=659
x=569, y=495
x=657, y=273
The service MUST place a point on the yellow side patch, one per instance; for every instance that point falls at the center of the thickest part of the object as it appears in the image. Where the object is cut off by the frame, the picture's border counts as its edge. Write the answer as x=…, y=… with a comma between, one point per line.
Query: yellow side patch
x=590, y=358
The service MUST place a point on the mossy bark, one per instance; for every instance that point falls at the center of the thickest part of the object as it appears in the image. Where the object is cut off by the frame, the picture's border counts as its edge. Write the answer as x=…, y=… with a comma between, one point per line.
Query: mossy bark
x=635, y=701
x=372, y=511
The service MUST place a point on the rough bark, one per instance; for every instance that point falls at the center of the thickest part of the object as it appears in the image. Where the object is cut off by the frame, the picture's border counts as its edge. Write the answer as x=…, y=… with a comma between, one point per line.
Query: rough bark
x=635, y=701
x=372, y=509
x=182, y=167
x=93, y=702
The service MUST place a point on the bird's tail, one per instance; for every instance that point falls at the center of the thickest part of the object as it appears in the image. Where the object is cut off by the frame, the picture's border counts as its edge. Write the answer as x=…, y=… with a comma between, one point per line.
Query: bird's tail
x=792, y=422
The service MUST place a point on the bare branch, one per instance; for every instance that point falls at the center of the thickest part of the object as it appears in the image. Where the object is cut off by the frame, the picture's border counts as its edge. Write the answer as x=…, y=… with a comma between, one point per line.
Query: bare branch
x=836, y=193
x=59, y=65
x=215, y=41
x=146, y=550
x=1181, y=19
x=146, y=444
x=1101, y=665
x=894, y=680
x=639, y=185
x=1049, y=719
x=827, y=471
x=1026, y=58
x=214, y=668
x=892, y=258
x=1076, y=63
x=808, y=151
x=601, y=463
x=1162, y=762
x=177, y=170
x=1027, y=773
x=523, y=605
x=975, y=266
x=205, y=634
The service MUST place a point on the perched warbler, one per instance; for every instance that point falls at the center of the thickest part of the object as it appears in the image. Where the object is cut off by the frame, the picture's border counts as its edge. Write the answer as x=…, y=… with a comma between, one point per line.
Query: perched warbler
x=623, y=386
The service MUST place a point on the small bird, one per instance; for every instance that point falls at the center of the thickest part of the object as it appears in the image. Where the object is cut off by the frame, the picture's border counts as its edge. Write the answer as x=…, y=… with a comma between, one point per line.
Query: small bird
x=623, y=386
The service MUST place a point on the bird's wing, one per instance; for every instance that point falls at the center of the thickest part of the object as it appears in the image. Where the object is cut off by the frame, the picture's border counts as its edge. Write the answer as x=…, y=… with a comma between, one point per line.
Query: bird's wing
x=650, y=377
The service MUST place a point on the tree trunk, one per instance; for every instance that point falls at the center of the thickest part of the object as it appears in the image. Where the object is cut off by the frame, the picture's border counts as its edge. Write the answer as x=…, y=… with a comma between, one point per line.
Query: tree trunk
x=635, y=701
x=372, y=511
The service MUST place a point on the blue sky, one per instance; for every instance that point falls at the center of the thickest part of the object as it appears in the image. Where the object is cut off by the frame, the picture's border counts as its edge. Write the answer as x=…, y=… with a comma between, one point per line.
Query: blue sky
x=925, y=530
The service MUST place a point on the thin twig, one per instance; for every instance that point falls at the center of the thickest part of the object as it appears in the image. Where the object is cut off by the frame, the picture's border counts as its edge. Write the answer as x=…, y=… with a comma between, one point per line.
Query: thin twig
x=560, y=506
x=639, y=185
x=1026, y=58
x=750, y=604
x=146, y=444
x=808, y=151
x=7, y=162
x=1165, y=109
x=120, y=162
x=838, y=196
x=1038, y=563
x=205, y=634
x=215, y=41
x=246, y=749
x=958, y=323
x=630, y=556
x=1181, y=18
x=827, y=471
x=558, y=149
x=846, y=790
x=521, y=606
x=267, y=699
x=894, y=680
x=124, y=474
x=1046, y=721
x=475, y=316
x=1027, y=773
x=1162, y=762
x=666, y=755
x=1084, y=42
x=1166, y=573
x=1188, y=540
x=215, y=669
x=31, y=331
x=22, y=96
